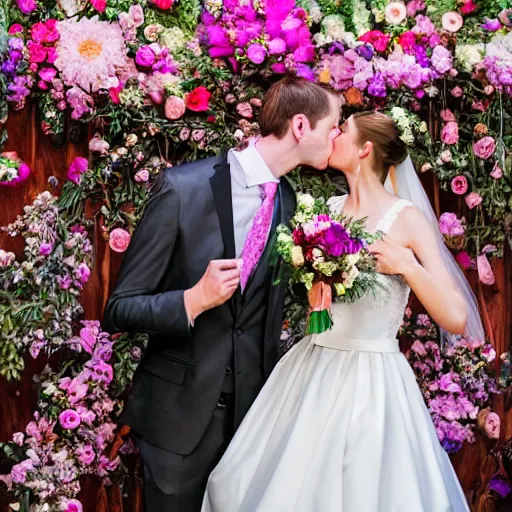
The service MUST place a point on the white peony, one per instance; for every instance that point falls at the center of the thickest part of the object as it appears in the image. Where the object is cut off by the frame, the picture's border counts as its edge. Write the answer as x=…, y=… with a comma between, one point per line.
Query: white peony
x=467, y=55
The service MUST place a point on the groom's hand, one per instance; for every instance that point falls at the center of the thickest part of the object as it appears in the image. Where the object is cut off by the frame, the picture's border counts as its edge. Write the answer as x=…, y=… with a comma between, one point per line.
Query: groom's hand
x=217, y=285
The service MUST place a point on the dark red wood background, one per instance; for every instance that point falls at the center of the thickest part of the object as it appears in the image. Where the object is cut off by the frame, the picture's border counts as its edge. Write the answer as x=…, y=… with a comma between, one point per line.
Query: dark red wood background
x=17, y=399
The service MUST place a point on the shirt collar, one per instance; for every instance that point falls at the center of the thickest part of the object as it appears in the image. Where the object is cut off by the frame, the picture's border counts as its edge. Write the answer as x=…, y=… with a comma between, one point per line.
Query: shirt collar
x=255, y=169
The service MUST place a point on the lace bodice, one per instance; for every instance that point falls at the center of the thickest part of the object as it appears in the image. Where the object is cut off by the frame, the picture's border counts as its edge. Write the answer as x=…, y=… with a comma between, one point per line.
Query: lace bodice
x=376, y=315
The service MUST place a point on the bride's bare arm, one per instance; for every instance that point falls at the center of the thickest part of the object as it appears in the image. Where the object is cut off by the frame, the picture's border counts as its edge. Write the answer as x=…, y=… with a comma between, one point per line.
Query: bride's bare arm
x=426, y=273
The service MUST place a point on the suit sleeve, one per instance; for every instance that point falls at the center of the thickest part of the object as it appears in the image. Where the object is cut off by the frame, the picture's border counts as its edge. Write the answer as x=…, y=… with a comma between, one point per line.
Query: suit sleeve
x=136, y=305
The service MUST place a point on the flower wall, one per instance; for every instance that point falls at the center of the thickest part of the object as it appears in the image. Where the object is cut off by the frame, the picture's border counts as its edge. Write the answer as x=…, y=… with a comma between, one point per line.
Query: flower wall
x=98, y=96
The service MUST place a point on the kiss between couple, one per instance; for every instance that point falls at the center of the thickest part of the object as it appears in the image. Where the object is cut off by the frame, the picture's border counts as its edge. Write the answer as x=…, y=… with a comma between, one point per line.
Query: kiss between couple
x=339, y=423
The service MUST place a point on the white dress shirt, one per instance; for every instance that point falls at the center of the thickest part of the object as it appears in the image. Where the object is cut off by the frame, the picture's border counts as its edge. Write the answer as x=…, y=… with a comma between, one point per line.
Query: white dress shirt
x=248, y=172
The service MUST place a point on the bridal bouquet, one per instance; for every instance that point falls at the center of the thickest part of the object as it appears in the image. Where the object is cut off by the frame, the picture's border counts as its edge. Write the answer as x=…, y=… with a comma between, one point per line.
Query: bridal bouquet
x=328, y=254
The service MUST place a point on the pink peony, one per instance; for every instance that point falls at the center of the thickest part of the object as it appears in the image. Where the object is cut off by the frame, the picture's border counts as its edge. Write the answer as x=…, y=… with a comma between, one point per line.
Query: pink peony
x=464, y=260
x=456, y=92
x=98, y=145
x=484, y=148
x=450, y=133
x=19, y=471
x=119, y=239
x=142, y=176
x=174, y=107
x=474, y=199
x=277, y=46
x=256, y=53
x=145, y=56
x=99, y=5
x=485, y=273
x=377, y=39
x=459, y=185
x=69, y=419
x=78, y=166
x=452, y=21
x=497, y=172
x=16, y=28
x=26, y=6
x=490, y=423
x=73, y=506
x=450, y=225
x=47, y=74
x=86, y=454
x=245, y=110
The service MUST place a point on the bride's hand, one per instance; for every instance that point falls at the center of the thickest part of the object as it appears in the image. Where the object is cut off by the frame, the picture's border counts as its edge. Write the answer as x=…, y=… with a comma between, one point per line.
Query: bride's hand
x=391, y=257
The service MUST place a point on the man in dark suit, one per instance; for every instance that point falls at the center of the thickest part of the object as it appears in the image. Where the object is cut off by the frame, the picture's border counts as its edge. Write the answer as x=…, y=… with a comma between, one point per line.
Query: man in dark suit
x=197, y=278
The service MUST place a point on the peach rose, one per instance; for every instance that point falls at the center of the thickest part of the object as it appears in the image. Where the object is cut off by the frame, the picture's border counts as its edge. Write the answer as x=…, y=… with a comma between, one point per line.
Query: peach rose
x=480, y=129
x=119, y=240
x=490, y=423
x=354, y=96
x=174, y=107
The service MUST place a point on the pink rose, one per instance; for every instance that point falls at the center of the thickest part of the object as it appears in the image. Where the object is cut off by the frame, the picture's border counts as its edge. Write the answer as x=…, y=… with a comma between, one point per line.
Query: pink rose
x=184, y=134
x=256, y=53
x=197, y=135
x=18, y=438
x=119, y=240
x=78, y=166
x=98, y=145
x=473, y=200
x=464, y=260
x=142, y=176
x=485, y=273
x=86, y=454
x=459, y=185
x=198, y=99
x=447, y=115
x=446, y=156
x=496, y=173
x=174, y=107
x=99, y=5
x=489, y=89
x=452, y=21
x=16, y=28
x=419, y=348
x=83, y=272
x=490, y=423
x=26, y=6
x=45, y=249
x=457, y=92
x=69, y=419
x=73, y=506
x=277, y=46
x=37, y=52
x=450, y=133
x=245, y=110
x=145, y=57
x=484, y=148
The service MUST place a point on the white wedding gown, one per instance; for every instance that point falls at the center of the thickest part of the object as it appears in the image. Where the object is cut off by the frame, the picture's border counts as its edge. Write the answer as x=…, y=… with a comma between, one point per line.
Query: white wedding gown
x=340, y=425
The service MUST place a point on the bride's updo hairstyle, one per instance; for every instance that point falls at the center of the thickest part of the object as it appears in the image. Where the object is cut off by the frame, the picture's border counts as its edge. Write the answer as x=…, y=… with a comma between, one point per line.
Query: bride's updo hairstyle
x=379, y=129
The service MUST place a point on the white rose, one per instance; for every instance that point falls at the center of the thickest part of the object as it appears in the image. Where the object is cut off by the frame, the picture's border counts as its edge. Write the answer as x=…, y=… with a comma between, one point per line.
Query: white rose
x=352, y=259
x=297, y=256
x=349, y=277
x=305, y=201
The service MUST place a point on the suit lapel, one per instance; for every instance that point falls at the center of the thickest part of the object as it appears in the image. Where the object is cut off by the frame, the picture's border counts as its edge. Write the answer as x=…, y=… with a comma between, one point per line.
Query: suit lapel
x=221, y=188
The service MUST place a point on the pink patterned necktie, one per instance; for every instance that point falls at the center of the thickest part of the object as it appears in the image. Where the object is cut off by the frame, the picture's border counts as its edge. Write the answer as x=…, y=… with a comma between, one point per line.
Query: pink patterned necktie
x=257, y=237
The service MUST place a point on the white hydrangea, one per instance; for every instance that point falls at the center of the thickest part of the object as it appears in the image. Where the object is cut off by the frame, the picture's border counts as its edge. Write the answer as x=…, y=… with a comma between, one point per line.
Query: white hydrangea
x=173, y=38
x=333, y=27
x=305, y=201
x=467, y=55
x=403, y=122
x=214, y=6
x=361, y=18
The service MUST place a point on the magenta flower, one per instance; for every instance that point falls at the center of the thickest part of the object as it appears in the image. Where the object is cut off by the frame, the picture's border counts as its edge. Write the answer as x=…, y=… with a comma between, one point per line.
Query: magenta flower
x=83, y=272
x=69, y=419
x=78, y=166
x=450, y=225
x=86, y=454
x=45, y=248
x=26, y=6
x=484, y=148
x=256, y=53
x=145, y=57
x=277, y=46
x=464, y=260
x=491, y=25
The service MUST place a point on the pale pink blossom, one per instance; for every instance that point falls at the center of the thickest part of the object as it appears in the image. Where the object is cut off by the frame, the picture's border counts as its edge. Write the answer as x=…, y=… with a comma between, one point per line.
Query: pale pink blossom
x=119, y=239
x=452, y=21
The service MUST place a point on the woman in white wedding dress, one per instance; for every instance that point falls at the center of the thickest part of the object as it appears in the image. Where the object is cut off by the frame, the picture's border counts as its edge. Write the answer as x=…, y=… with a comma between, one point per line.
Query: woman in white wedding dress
x=341, y=425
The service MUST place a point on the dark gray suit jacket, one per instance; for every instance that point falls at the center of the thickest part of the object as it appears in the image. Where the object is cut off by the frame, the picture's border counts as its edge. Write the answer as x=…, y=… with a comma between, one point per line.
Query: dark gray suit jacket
x=187, y=223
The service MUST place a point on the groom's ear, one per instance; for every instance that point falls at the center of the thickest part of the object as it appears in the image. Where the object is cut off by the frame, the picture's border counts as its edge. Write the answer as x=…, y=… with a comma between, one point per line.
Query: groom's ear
x=299, y=125
x=366, y=149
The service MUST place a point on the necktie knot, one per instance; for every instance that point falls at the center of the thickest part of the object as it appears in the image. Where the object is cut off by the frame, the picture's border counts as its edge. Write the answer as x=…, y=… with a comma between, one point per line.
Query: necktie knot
x=269, y=189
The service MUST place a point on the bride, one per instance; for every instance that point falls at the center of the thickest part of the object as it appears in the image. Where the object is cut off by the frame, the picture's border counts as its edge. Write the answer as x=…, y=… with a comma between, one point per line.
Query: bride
x=341, y=425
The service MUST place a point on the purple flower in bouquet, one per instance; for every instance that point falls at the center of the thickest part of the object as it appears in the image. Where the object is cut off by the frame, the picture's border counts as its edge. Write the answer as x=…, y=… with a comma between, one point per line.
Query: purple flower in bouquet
x=491, y=25
x=450, y=446
x=499, y=485
x=306, y=72
x=336, y=241
x=377, y=86
x=365, y=51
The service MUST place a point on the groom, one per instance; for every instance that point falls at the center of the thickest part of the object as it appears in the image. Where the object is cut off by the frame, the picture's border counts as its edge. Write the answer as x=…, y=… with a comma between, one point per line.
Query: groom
x=197, y=278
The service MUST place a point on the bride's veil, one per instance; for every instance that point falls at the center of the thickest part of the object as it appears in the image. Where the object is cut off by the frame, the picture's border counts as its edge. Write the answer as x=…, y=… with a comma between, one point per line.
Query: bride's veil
x=406, y=185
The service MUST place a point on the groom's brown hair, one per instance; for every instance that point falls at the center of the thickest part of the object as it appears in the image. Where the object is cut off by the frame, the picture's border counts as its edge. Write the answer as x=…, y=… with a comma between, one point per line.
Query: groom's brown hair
x=290, y=96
